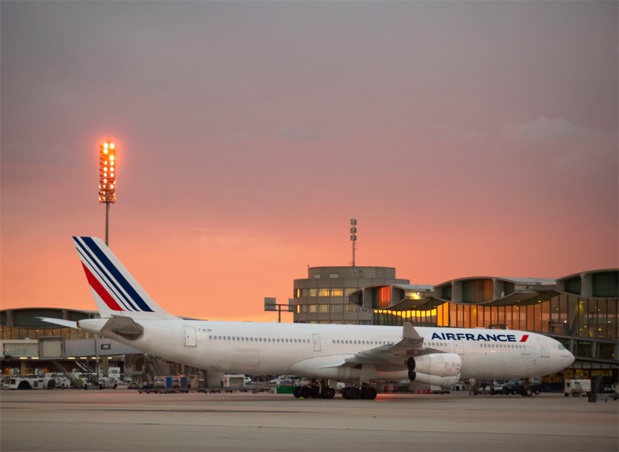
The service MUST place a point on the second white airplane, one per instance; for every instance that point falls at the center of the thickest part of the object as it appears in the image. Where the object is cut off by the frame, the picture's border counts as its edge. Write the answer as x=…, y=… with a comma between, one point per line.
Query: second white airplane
x=357, y=355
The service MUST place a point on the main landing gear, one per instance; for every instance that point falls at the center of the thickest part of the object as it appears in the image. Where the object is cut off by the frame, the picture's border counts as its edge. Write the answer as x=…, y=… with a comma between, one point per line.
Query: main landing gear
x=321, y=390
x=314, y=391
x=365, y=392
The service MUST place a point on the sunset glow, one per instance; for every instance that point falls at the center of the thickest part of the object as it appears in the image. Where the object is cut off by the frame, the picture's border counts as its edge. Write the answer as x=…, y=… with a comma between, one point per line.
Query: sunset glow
x=467, y=139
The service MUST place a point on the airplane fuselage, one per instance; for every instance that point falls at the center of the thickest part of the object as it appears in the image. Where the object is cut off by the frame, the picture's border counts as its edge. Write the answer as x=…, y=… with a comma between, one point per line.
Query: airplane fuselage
x=318, y=351
x=356, y=355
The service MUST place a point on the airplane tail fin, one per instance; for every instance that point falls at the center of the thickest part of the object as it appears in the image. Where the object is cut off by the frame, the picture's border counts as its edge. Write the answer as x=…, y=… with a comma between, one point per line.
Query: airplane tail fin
x=116, y=292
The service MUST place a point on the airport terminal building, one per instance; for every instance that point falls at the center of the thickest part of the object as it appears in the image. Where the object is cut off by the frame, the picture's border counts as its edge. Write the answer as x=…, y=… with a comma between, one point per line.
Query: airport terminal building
x=581, y=311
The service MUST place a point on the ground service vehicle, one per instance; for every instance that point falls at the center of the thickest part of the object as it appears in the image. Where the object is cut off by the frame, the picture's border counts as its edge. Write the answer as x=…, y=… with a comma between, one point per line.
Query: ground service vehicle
x=25, y=382
x=233, y=381
x=535, y=386
x=577, y=387
x=57, y=380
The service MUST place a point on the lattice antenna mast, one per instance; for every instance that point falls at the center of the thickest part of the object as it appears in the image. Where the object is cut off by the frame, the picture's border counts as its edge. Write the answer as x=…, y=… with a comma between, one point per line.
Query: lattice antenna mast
x=353, y=238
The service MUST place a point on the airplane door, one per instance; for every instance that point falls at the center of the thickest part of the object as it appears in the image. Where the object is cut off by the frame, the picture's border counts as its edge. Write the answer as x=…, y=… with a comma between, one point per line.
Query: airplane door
x=191, y=340
x=316, y=339
x=543, y=348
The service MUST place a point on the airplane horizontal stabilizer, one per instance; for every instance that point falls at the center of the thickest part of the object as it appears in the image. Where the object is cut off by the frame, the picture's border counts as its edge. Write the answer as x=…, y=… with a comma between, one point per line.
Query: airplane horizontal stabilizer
x=61, y=322
x=123, y=326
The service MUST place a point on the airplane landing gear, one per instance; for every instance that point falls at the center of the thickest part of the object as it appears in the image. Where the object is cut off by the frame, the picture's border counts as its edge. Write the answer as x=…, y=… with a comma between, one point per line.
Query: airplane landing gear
x=320, y=389
x=366, y=392
x=315, y=390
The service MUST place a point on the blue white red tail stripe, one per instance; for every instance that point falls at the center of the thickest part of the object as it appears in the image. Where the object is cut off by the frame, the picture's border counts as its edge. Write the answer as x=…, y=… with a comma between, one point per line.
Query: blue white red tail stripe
x=100, y=290
x=102, y=283
x=100, y=279
x=106, y=280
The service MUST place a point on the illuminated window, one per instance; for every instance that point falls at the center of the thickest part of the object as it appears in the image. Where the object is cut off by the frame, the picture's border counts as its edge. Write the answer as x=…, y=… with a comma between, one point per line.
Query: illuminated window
x=313, y=292
x=383, y=297
x=312, y=308
x=337, y=292
x=323, y=292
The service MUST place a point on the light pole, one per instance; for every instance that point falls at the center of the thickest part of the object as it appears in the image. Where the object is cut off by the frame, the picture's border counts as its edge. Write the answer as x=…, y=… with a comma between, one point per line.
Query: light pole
x=107, y=195
x=107, y=180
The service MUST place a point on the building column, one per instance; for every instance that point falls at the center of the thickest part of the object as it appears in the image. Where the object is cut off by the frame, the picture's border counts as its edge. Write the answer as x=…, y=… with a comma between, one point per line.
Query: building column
x=586, y=285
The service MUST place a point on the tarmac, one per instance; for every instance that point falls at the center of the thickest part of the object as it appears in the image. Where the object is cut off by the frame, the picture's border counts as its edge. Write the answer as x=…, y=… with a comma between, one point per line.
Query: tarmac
x=124, y=420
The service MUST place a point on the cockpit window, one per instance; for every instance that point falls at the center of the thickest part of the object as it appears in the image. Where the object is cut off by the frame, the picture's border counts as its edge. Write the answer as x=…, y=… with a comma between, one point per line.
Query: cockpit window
x=561, y=347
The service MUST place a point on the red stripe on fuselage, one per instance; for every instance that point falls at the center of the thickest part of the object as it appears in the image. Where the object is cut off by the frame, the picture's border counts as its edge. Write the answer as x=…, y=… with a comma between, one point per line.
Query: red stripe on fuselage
x=524, y=338
x=98, y=288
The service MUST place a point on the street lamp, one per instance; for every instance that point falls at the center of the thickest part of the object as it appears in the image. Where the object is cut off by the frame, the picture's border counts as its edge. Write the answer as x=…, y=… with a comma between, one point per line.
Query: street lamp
x=271, y=304
x=107, y=180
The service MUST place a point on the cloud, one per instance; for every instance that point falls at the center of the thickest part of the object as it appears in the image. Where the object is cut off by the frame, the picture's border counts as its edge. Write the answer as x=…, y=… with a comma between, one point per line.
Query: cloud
x=445, y=132
x=558, y=131
x=575, y=149
x=577, y=164
x=295, y=133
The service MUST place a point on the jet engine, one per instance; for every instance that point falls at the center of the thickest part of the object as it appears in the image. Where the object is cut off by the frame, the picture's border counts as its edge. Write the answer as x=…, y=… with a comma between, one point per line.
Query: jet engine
x=435, y=380
x=438, y=364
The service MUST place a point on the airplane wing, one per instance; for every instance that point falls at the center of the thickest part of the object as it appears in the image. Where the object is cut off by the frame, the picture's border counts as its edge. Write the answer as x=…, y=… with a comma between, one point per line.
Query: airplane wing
x=387, y=356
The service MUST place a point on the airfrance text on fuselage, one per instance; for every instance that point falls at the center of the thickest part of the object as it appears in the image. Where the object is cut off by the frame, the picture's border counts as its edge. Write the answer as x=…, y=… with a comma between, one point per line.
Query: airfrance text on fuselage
x=477, y=337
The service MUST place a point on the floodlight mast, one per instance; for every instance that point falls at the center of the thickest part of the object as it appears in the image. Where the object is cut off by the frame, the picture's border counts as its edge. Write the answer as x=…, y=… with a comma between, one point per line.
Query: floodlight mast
x=107, y=180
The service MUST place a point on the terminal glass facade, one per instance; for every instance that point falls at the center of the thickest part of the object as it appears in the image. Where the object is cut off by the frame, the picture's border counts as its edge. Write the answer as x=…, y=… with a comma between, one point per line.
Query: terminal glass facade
x=589, y=327
x=22, y=324
x=21, y=333
x=563, y=315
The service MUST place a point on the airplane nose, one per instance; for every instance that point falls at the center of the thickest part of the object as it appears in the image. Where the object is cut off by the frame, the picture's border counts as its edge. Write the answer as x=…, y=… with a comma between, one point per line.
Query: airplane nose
x=570, y=358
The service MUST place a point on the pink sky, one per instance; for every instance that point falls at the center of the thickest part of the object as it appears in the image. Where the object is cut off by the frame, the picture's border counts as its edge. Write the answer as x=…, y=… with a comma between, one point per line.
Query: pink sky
x=467, y=139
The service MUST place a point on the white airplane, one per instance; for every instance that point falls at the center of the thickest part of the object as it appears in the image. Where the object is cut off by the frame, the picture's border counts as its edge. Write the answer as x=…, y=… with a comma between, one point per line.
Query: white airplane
x=357, y=355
